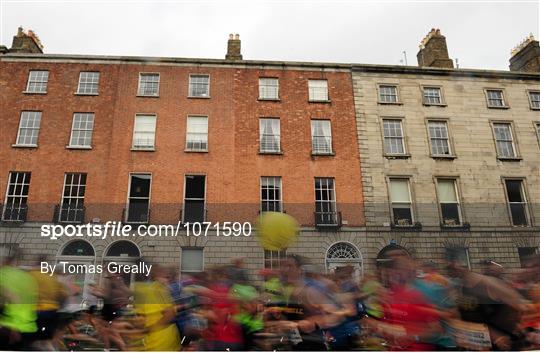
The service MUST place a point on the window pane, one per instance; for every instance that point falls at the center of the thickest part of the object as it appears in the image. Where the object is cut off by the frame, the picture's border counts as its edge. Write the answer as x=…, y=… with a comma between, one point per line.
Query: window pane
x=318, y=90
x=199, y=85
x=29, y=128
x=399, y=190
x=15, y=208
x=393, y=136
x=450, y=213
x=140, y=185
x=197, y=133
x=446, y=190
x=144, y=131
x=321, y=135
x=271, y=194
x=269, y=135
x=37, y=81
x=535, y=99
x=388, y=94
x=402, y=214
x=513, y=189
x=149, y=84
x=192, y=260
x=195, y=186
x=268, y=88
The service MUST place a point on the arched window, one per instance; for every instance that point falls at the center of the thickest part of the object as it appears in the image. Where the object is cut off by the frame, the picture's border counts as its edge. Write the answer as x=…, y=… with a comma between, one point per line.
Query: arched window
x=123, y=248
x=344, y=254
x=342, y=251
x=78, y=248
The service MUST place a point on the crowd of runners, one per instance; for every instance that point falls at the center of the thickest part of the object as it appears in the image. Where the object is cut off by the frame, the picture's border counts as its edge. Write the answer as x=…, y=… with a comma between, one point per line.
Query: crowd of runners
x=404, y=305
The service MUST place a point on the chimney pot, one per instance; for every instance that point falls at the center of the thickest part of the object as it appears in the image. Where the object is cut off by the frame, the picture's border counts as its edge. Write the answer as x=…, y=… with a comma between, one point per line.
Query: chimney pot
x=526, y=56
x=433, y=51
x=234, y=48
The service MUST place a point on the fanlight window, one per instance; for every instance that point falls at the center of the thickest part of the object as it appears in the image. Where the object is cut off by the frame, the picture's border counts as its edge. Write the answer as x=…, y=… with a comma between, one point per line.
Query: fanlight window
x=342, y=251
x=78, y=248
x=123, y=248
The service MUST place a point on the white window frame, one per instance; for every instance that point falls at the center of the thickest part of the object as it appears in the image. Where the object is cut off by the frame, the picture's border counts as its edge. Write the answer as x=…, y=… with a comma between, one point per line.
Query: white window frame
x=331, y=201
x=457, y=202
x=400, y=202
x=272, y=259
x=191, y=83
x=263, y=146
x=524, y=203
x=27, y=114
x=40, y=81
x=138, y=197
x=315, y=146
x=91, y=79
x=20, y=199
x=203, y=142
x=140, y=91
x=432, y=146
x=194, y=198
x=318, y=93
x=83, y=130
x=147, y=147
x=512, y=139
x=78, y=200
x=427, y=99
x=265, y=88
x=383, y=94
x=275, y=185
x=533, y=102
x=393, y=137
x=489, y=98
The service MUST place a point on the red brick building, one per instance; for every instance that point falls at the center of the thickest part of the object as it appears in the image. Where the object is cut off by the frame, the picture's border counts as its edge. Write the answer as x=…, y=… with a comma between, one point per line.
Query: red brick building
x=145, y=139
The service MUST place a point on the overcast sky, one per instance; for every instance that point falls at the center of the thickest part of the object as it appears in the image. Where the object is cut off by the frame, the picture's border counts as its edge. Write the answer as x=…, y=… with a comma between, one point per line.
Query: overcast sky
x=479, y=33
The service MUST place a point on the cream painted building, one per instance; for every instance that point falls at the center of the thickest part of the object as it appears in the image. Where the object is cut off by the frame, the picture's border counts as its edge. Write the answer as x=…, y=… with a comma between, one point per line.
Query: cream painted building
x=450, y=158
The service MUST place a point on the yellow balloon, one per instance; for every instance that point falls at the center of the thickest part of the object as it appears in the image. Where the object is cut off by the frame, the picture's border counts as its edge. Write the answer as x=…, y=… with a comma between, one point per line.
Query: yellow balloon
x=276, y=230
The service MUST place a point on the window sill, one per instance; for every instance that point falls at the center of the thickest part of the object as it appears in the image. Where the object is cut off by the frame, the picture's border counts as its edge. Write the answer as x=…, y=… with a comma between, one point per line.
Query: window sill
x=417, y=226
x=86, y=94
x=509, y=159
x=328, y=101
x=458, y=227
x=24, y=146
x=30, y=92
x=390, y=103
x=535, y=108
x=269, y=99
x=147, y=96
x=434, y=104
x=195, y=151
x=280, y=153
x=450, y=157
x=198, y=97
x=329, y=154
x=141, y=149
x=397, y=156
x=69, y=147
x=498, y=107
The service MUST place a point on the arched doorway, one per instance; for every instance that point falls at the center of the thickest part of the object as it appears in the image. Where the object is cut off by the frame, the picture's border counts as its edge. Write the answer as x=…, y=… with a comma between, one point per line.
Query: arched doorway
x=390, y=251
x=344, y=254
x=123, y=252
x=77, y=252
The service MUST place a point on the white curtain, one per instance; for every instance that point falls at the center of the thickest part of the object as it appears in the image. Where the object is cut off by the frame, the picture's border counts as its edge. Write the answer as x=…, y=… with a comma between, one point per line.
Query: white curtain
x=447, y=191
x=399, y=190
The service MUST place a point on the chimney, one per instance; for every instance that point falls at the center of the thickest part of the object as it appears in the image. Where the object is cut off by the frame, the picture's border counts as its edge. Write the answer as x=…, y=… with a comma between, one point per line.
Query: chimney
x=526, y=56
x=26, y=43
x=433, y=51
x=233, y=48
